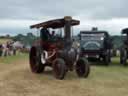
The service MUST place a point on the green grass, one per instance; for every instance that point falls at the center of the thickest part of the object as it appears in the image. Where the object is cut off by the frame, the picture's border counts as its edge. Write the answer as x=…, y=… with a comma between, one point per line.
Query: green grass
x=12, y=59
x=3, y=40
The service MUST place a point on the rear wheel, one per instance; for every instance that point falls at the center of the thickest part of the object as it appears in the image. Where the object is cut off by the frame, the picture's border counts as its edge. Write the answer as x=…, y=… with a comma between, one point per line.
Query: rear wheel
x=82, y=68
x=107, y=58
x=35, y=60
x=59, y=68
x=123, y=56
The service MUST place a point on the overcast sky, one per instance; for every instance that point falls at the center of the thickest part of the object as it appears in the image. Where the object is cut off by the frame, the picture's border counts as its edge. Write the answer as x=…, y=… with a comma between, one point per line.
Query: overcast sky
x=17, y=15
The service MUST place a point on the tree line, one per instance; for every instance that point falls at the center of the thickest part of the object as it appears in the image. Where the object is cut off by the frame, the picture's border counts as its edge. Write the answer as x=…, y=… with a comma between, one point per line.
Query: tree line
x=30, y=38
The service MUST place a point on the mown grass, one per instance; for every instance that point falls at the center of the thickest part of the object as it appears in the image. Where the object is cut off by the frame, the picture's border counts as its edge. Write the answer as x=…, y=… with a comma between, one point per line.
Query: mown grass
x=13, y=58
x=109, y=80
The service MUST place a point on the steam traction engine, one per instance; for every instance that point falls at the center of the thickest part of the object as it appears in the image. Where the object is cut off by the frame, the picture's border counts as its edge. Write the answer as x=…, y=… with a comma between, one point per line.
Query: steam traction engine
x=57, y=50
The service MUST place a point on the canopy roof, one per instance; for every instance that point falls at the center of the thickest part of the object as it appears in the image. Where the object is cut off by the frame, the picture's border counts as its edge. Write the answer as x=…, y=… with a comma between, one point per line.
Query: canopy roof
x=56, y=23
x=125, y=31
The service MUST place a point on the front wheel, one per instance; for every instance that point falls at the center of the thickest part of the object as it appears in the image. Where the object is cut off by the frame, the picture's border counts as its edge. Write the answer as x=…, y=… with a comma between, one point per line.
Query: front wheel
x=59, y=68
x=82, y=68
x=35, y=60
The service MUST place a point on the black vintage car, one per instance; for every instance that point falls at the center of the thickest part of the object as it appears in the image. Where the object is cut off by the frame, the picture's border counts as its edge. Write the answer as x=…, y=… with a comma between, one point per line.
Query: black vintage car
x=96, y=44
x=124, y=47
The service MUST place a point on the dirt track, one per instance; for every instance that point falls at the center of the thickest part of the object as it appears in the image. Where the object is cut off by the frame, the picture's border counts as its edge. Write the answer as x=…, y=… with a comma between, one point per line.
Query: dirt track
x=17, y=80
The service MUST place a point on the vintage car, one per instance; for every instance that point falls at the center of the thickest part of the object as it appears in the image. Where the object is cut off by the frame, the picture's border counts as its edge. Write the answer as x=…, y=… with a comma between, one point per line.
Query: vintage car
x=96, y=44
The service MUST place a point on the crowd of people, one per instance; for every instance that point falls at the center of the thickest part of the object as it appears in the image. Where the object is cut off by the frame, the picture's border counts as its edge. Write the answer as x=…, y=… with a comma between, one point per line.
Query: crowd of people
x=7, y=49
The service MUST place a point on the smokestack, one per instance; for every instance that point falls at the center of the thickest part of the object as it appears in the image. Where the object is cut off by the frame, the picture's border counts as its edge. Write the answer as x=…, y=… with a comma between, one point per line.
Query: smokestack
x=67, y=27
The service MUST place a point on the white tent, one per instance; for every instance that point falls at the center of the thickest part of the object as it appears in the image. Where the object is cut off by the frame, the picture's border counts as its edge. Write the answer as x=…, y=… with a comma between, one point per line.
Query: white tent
x=18, y=44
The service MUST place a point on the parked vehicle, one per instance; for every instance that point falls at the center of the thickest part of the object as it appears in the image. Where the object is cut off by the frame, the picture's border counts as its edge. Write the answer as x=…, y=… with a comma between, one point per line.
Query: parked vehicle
x=124, y=47
x=96, y=44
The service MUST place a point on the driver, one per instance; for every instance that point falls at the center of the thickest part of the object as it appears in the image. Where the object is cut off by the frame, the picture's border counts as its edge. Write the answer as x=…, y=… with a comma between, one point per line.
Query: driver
x=45, y=35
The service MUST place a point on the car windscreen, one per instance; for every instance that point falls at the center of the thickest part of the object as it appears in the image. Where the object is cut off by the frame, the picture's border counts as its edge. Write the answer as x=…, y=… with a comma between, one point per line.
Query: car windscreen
x=99, y=36
x=92, y=41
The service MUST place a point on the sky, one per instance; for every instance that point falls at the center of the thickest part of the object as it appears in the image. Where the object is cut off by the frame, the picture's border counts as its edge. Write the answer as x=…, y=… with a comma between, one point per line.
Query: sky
x=17, y=15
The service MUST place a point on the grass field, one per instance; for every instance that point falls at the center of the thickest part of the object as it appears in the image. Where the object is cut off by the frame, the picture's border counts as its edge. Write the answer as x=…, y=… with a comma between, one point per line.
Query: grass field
x=12, y=59
x=16, y=79
x=3, y=41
